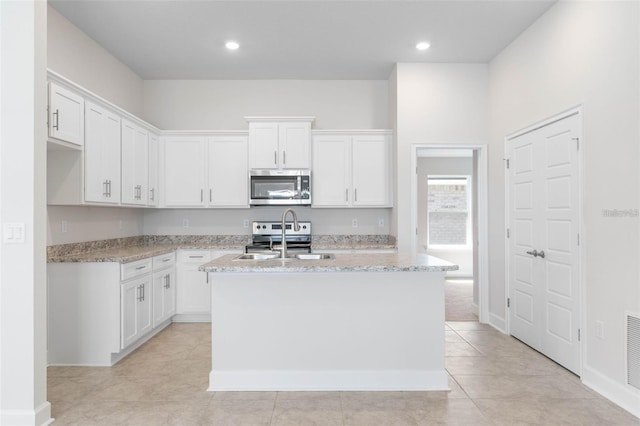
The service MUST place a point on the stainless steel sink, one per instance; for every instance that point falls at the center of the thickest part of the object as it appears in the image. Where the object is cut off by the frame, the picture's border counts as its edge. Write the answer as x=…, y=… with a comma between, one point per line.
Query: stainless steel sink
x=276, y=256
x=315, y=256
x=257, y=256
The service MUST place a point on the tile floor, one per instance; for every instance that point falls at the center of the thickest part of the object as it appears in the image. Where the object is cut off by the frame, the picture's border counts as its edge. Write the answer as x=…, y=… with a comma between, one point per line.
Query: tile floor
x=494, y=380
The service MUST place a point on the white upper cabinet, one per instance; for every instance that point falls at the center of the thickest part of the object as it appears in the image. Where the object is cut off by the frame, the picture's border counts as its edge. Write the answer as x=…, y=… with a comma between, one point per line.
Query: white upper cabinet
x=154, y=149
x=101, y=155
x=351, y=170
x=228, y=171
x=66, y=115
x=184, y=170
x=279, y=144
x=371, y=170
x=205, y=171
x=135, y=165
x=330, y=174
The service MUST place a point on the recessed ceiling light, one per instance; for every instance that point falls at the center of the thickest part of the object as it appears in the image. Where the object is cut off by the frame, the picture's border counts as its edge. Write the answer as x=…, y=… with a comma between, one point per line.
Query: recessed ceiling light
x=232, y=45
x=423, y=45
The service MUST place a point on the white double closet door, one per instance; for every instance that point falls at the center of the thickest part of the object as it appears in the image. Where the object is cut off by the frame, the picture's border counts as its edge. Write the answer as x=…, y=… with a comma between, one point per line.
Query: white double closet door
x=544, y=260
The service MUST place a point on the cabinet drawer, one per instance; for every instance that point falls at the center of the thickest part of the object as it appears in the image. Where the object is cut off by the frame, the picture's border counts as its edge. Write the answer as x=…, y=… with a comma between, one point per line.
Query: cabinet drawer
x=164, y=261
x=134, y=269
x=195, y=256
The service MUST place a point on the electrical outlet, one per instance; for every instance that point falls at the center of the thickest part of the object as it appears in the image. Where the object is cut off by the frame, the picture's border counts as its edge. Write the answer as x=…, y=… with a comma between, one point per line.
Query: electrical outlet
x=63, y=226
x=599, y=329
x=245, y=223
x=354, y=223
x=380, y=222
x=185, y=223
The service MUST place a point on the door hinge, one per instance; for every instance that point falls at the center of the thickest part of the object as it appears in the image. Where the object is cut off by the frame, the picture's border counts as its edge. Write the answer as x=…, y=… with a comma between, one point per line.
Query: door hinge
x=578, y=335
x=577, y=143
x=508, y=302
x=507, y=232
x=507, y=160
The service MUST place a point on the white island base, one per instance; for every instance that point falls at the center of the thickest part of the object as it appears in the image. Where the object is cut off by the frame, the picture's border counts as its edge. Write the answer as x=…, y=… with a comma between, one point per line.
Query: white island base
x=309, y=331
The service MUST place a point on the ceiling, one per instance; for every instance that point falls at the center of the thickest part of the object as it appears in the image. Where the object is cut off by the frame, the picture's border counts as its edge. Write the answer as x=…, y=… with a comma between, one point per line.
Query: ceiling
x=300, y=39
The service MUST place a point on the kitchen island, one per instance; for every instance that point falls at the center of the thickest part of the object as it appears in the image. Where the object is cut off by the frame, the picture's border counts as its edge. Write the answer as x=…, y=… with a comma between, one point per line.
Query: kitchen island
x=354, y=322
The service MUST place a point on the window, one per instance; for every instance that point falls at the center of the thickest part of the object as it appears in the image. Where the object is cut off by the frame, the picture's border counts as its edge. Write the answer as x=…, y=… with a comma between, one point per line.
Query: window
x=449, y=211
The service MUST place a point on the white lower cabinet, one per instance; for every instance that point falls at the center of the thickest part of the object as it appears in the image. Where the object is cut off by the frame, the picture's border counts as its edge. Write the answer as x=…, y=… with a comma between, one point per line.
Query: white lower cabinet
x=194, y=289
x=100, y=312
x=135, y=310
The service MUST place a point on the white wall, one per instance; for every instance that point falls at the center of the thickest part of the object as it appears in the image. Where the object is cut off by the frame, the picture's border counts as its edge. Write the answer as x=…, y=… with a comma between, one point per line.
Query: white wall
x=23, y=290
x=439, y=104
x=583, y=53
x=230, y=222
x=223, y=104
x=79, y=58
x=92, y=223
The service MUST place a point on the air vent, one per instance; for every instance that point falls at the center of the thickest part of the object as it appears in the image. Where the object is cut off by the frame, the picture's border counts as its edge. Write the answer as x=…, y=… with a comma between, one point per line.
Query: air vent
x=633, y=350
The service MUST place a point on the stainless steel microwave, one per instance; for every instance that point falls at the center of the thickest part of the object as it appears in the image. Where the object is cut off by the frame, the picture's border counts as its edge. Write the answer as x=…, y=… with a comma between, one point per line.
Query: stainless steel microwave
x=280, y=187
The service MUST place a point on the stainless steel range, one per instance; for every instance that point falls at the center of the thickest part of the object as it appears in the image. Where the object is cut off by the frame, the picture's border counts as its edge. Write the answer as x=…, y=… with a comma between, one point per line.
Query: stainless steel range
x=267, y=236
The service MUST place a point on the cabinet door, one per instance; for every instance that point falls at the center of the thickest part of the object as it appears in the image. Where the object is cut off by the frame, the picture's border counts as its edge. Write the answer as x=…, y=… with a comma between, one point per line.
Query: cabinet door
x=129, y=299
x=194, y=291
x=228, y=171
x=152, y=196
x=330, y=174
x=101, y=155
x=371, y=171
x=164, y=296
x=66, y=115
x=144, y=308
x=185, y=162
x=294, y=144
x=263, y=145
x=135, y=159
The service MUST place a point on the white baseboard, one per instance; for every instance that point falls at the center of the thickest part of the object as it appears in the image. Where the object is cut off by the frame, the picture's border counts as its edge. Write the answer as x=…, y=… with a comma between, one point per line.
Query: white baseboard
x=192, y=318
x=498, y=323
x=621, y=394
x=338, y=380
x=40, y=416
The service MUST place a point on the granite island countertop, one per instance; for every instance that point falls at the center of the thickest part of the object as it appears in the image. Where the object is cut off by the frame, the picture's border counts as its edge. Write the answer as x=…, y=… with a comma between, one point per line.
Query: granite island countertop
x=343, y=262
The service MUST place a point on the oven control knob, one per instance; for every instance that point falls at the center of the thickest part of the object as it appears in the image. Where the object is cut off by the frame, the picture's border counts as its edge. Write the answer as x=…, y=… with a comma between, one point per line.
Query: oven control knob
x=304, y=226
x=264, y=226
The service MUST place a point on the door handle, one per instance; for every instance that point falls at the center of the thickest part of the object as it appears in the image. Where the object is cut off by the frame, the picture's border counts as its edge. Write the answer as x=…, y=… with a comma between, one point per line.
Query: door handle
x=536, y=253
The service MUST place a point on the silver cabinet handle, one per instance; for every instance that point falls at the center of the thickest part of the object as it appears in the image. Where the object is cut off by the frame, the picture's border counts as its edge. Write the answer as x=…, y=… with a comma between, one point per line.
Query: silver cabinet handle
x=142, y=292
x=152, y=194
x=355, y=194
x=105, y=190
x=139, y=293
x=284, y=157
x=541, y=254
x=275, y=157
x=202, y=195
x=166, y=260
x=196, y=257
x=536, y=253
x=210, y=195
x=140, y=267
x=109, y=188
x=56, y=114
x=346, y=194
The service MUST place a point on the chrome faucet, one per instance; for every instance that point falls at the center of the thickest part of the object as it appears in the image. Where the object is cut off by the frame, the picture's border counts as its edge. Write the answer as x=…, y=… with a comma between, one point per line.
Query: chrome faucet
x=296, y=227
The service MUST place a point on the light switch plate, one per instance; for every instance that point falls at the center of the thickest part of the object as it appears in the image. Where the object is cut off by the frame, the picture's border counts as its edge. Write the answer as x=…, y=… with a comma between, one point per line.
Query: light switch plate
x=13, y=233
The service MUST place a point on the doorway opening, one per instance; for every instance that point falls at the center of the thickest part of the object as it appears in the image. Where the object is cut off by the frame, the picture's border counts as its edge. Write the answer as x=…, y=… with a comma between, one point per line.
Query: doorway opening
x=449, y=213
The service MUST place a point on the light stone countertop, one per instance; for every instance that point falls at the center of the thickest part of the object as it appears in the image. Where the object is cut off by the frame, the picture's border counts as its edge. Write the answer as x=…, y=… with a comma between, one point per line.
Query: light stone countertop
x=343, y=262
x=133, y=253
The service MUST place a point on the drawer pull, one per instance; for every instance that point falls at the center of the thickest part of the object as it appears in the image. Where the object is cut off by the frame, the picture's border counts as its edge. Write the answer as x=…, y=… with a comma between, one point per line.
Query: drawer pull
x=196, y=257
x=166, y=260
x=141, y=267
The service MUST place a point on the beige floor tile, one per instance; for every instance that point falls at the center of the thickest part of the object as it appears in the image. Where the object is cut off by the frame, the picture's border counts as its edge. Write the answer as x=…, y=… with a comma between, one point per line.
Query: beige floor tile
x=460, y=349
x=72, y=388
x=319, y=410
x=522, y=387
x=247, y=412
x=452, y=336
x=448, y=412
x=245, y=396
x=308, y=395
x=491, y=366
x=468, y=325
x=455, y=392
